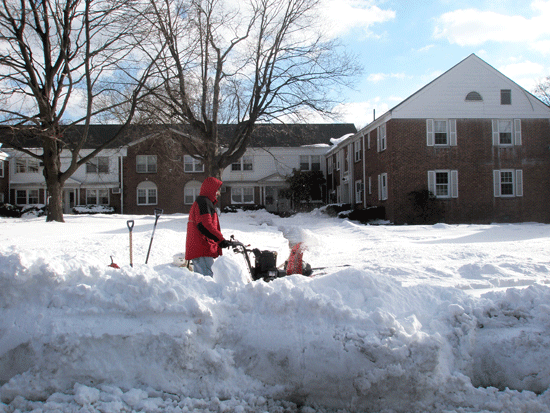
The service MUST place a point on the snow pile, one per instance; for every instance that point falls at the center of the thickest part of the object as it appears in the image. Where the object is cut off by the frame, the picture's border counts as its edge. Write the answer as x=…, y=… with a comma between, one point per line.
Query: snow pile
x=402, y=319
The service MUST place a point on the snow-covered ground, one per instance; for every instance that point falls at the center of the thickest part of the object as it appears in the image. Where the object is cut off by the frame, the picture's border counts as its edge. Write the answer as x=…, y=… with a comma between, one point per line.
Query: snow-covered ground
x=443, y=318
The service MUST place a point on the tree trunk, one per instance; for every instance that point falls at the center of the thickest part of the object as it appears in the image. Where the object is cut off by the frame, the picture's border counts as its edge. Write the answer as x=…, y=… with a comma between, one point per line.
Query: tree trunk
x=54, y=184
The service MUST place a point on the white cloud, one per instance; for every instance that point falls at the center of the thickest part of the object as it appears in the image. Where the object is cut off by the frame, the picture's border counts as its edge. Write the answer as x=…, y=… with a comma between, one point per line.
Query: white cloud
x=362, y=113
x=378, y=77
x=526, y=68
x=472, y=27
x=344, y=15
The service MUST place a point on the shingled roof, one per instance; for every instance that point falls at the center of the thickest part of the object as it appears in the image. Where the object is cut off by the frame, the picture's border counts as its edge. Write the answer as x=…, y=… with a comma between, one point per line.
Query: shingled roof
x=264, y=135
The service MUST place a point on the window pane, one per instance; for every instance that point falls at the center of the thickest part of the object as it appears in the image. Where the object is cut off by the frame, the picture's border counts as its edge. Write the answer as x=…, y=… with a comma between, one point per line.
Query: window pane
x=507, y=183
x=91, y=196
x=142, y=196
x=442, y=184
x=236, y=195
x=21, y=197
x=247, y=163
x=152, y=164
x=315, y=163
x=20, y=166
x=91, y=167
x=33, y=196
x=248, y=195
x=236, y=166
x=103, y=165
x=141, y=164
x=440, y=132
x=304, y=162
x=152, y=195
x=505, y=97
x=505, y=132
x=103, y=197
x=32, y=166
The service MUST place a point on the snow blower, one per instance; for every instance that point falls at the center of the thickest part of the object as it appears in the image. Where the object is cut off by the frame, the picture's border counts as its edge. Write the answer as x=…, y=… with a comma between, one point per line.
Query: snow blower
x=265, y=262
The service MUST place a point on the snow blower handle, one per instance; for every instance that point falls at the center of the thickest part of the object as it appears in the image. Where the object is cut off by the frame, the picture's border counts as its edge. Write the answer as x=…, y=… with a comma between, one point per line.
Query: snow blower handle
x=130, y=224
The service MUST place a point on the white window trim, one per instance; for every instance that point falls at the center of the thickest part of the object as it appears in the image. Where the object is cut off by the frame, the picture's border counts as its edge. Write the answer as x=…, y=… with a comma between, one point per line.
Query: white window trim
x=451, y=132
x=195, y=188
x=359, y=190
x=516, y=133
x=517, y=183
x=196, y=165
x=147, y=158
x=381, y=138
x=97, y=196
x=452, y=182
x=95, y=163
x=357, y=150
x=27, y=163
x=147, y=186
x=27, y=196
x=2, y=171
x=241, y=190
x=244, y=160
x=383, y=187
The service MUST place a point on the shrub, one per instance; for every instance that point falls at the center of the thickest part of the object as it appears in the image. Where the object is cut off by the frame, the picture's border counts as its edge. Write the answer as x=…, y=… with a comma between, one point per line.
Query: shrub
x=10, y=211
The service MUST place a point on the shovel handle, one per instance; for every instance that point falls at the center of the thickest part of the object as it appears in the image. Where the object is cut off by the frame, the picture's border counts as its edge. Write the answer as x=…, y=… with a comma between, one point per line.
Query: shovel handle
x=130, y=224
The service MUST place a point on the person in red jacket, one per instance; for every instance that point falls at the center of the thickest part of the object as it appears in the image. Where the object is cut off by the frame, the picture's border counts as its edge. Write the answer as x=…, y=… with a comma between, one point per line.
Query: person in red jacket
x=204, y=240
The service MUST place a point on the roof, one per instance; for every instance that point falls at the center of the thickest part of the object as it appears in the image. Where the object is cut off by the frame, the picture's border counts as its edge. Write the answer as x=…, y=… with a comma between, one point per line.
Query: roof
x=264, y=135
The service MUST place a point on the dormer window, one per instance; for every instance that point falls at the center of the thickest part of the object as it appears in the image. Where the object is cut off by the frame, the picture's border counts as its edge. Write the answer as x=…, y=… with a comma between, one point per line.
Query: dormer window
x=473, y=97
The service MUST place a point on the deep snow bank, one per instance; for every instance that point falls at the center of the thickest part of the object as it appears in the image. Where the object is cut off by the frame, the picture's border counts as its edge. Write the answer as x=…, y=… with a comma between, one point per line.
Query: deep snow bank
x=74, y=332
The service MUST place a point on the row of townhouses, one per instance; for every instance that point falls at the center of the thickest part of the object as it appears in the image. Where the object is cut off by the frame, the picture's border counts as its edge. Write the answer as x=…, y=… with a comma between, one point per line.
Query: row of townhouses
x=472, y=137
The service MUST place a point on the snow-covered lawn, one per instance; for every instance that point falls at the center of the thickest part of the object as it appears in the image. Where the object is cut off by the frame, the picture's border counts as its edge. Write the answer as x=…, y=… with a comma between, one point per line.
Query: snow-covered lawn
x=443, y=318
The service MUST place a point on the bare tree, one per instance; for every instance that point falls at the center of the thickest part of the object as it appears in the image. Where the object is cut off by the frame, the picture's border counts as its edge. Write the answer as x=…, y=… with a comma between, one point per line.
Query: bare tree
x=542, y=90
x=238, y=63
x=54, y=54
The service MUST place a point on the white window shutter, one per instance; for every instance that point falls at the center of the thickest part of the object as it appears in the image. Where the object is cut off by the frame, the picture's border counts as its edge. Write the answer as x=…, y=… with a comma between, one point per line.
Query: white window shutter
x=380, y=187
x=517, y=131
x=431, y=181
x=496, y=136
x=454, y=184
x=430, y=137
x=496, y=181
x=452, y=132
x=519, y=182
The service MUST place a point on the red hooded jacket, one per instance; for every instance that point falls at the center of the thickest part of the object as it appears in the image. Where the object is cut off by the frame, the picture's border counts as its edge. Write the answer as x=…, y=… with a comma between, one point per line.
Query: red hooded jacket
x=203, y=229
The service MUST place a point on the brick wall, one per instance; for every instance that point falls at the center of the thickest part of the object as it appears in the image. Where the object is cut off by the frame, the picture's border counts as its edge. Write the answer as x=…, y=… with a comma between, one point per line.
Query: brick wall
x=408, y=159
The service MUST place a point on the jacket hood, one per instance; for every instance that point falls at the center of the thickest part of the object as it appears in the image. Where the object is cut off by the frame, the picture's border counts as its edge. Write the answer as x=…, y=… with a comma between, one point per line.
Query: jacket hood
x=209, y=188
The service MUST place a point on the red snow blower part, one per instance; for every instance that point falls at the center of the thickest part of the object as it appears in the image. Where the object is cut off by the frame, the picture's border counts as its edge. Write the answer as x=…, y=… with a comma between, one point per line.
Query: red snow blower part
x=113, y=264
x=265, y=262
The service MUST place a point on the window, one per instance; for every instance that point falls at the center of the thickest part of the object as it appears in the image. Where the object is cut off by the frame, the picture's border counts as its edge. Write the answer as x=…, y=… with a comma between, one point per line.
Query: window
x=382, y=138
x=330, y=165
x=443, y=184
x=146, y=193
x=27, y=196
x=97, y=196
x=473, y=97
x=441, y=132
x=506, y=132
x=357, y=150
x=146, y=164
x=383, y=187
x=191, y=192
x=99, y=164
x=242, y=195
x=26, y=165
x=1, y=197
x=508, y=182
x=310, y=162
x=505, y=97
x=368, y=141
x=2, y=170
x=243, y=164
x=370, y=185
x=337, y=160
x=359, y=187
x=191, y=164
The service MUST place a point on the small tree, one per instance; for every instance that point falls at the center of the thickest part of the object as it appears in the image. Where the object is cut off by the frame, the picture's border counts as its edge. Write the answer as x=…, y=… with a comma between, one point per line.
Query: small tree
x=304, y=187
x=424, y=208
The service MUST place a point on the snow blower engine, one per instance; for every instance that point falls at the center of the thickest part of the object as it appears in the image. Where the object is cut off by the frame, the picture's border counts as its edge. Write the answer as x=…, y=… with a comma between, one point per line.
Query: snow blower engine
x=265, y=262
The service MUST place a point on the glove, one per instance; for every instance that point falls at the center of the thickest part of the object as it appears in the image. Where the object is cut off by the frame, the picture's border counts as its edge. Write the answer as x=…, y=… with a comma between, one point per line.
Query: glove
x=225, y=243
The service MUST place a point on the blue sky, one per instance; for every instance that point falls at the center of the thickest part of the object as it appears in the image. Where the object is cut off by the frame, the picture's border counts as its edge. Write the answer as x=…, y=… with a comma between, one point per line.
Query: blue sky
x=403, y=45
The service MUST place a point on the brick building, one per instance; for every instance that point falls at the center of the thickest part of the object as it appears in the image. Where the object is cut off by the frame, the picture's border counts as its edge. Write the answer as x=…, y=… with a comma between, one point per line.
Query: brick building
x=472, y=137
